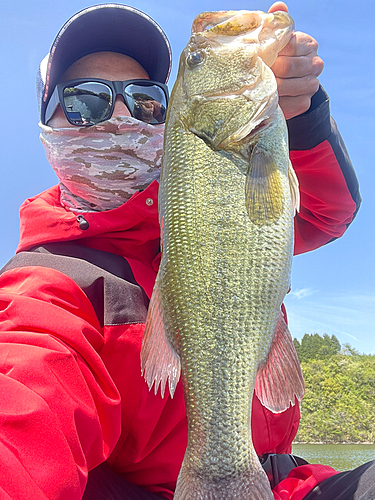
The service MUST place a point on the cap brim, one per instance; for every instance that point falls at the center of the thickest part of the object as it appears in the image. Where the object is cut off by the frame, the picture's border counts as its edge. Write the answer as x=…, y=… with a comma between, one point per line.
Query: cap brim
x=114, y=28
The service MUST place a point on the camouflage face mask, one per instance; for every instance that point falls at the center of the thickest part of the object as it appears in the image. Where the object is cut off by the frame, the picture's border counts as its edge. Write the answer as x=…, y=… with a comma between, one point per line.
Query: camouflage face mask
x=101, y=167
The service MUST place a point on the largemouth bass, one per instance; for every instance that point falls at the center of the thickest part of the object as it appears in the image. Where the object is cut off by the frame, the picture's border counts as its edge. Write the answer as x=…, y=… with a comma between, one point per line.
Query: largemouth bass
x=227, y=200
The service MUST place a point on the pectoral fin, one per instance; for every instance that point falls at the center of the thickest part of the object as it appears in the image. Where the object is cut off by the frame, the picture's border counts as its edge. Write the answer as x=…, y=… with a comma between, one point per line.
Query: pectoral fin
x=279, y=380
x=263, y=189
x=159, y=360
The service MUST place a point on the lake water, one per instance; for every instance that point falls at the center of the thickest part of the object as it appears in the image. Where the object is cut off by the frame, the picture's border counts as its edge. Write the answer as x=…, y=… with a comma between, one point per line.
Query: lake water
x=339, y=456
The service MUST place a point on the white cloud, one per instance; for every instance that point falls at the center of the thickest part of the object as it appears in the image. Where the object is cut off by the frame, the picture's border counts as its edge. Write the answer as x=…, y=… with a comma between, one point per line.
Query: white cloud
x=303, y=292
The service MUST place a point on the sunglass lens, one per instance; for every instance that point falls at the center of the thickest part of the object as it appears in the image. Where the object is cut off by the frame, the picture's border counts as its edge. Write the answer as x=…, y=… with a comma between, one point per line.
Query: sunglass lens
x=88, y=103
x=147, y=103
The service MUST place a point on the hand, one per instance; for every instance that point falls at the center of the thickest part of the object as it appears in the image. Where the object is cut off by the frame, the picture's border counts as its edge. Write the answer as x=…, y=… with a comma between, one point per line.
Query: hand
x=296, y=68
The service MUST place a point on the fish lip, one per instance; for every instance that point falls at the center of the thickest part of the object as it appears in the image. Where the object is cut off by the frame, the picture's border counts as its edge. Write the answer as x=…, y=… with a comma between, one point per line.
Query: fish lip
x=287, y=28
x=283, y=16
x=208, y=22
x=207, y=25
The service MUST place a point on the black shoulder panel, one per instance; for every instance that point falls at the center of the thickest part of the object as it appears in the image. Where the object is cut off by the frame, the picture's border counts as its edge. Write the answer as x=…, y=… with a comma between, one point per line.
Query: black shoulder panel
x=105, y=278
x=315, y=126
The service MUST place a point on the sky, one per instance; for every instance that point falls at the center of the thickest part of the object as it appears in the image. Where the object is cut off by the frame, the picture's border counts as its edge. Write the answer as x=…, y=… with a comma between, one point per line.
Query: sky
x=333, y=288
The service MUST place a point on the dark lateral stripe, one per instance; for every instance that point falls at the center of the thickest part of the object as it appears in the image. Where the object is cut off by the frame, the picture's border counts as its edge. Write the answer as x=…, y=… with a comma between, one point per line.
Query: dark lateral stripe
x=342, y=156
x=310, y=129
x=107, y=281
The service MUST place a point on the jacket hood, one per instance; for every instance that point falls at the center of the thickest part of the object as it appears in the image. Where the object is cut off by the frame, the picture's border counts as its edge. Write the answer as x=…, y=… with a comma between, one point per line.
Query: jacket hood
x=131, y=230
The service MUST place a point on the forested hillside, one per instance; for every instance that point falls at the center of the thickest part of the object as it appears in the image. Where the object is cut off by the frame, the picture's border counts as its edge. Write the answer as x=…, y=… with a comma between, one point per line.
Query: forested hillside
x=339, y=403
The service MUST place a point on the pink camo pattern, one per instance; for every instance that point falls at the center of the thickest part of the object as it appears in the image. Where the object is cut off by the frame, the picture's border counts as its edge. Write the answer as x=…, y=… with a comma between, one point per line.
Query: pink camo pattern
x=101, y=167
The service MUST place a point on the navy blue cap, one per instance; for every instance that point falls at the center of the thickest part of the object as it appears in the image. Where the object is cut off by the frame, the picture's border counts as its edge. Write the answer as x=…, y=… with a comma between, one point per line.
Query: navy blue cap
x=106, y=27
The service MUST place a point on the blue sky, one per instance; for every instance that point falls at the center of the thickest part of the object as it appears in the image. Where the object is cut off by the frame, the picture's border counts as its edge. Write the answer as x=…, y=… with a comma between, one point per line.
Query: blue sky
x=333, y=288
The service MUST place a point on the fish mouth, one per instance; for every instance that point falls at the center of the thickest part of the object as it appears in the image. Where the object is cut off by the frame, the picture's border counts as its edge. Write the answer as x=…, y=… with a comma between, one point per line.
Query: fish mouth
x=271, y=31
x=234, y=23
x=227, y=23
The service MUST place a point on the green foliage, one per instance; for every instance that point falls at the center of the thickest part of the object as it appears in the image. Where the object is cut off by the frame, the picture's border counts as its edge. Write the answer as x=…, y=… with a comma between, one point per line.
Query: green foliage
x=339, y=402
x=313, y=346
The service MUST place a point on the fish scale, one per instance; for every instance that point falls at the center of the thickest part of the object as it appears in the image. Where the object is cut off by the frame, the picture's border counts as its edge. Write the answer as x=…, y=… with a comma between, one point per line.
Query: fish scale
x=226, y=260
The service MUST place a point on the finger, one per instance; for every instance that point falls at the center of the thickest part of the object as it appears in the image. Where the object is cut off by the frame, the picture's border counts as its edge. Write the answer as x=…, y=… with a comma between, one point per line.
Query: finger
x=277, y=6
x=294, y=106
x=300, y=44
x=297, y=67
x=294, y=87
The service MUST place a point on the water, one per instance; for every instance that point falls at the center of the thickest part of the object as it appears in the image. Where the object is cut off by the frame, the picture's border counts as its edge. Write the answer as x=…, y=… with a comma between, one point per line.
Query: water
x=339, y=456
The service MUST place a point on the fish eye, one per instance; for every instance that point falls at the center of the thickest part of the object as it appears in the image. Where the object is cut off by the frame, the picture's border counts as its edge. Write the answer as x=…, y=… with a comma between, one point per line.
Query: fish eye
x=194, y=59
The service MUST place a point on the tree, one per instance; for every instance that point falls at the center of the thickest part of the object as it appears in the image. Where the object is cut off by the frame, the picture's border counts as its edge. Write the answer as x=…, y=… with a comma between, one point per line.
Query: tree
x=348, y=350
x=313, y=346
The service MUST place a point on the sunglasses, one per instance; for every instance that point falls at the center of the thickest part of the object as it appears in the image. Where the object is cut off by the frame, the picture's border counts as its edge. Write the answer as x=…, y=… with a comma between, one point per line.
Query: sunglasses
x=86, y=101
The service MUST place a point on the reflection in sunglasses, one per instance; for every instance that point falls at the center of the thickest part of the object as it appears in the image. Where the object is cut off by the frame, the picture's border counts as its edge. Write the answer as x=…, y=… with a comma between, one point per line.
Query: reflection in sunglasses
x=86, y=107
x=87, y=102
x=147, y=109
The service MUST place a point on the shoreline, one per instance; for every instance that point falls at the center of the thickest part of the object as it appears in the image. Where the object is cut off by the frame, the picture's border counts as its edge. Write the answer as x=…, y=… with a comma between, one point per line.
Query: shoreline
x=332, y=442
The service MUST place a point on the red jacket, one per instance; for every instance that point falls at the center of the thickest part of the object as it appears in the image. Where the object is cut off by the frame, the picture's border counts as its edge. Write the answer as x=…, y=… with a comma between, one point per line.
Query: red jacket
x=71, y=326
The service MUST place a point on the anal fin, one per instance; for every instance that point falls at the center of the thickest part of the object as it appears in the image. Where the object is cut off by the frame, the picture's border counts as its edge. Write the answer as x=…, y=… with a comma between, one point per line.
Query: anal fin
x=279, y=380
x=159, y=360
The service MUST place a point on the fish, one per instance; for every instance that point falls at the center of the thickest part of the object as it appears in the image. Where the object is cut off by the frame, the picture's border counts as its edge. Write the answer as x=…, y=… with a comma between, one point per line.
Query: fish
x=227, y=200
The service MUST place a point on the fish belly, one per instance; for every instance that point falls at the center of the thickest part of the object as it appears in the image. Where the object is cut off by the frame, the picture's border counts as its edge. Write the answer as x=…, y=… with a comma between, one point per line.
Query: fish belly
x=222, y=281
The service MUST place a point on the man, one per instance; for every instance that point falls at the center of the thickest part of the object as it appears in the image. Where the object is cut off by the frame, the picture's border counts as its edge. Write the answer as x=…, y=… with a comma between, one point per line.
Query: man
x=77, y=419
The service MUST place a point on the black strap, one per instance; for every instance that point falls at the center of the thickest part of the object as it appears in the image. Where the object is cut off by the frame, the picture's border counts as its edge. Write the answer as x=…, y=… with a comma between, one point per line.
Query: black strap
x=277, y=466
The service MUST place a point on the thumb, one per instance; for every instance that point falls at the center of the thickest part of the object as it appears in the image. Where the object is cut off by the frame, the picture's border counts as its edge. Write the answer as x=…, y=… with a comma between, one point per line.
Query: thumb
x=278, y=6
